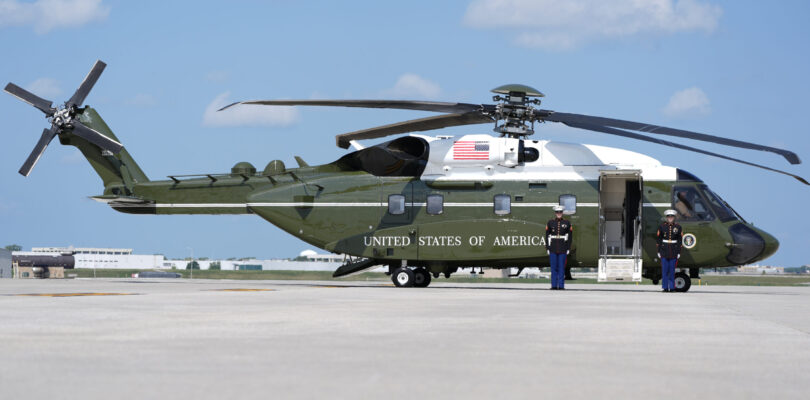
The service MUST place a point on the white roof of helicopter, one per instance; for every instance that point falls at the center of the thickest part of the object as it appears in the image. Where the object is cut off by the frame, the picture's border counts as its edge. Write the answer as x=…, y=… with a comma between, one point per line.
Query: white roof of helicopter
x=558, y=161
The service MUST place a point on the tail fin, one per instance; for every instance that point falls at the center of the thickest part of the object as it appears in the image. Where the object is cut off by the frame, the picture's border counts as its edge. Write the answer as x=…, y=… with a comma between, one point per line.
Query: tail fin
x=119, y=172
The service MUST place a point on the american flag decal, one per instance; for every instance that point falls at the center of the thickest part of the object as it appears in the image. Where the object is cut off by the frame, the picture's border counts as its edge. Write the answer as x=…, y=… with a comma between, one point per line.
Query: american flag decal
x=471, y=150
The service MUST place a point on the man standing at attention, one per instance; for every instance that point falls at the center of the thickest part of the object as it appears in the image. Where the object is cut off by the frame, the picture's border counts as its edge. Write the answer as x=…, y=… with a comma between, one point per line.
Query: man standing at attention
x=669, y=238
x=559, y=234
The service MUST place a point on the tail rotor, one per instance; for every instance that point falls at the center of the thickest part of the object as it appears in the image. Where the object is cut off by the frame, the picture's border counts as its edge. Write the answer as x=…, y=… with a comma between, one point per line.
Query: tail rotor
x=64, y=119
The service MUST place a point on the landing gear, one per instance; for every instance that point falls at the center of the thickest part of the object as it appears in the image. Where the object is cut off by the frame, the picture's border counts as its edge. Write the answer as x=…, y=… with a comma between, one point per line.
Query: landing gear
x=403, y=277
x=421, y=278
x=408, y=277
x=682, y=282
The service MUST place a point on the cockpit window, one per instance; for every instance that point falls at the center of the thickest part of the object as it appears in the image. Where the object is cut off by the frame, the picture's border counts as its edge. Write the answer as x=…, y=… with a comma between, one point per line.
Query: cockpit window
x=718, y=205
x=690, y=205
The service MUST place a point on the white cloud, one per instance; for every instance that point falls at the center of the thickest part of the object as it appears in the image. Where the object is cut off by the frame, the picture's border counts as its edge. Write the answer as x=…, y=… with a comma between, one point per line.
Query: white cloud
x=46, y=88
x=562, y=25
x=412, y=85
x=46, y=15
x=688, y=102
x=247, y=115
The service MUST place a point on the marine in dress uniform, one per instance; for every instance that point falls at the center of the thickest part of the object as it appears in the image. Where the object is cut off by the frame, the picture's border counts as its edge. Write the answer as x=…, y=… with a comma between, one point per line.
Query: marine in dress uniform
x=669, y=237
x=559, y=235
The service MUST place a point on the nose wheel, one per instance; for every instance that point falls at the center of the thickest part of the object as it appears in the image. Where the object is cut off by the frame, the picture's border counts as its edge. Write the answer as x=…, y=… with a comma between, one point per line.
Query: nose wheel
x=682, y=282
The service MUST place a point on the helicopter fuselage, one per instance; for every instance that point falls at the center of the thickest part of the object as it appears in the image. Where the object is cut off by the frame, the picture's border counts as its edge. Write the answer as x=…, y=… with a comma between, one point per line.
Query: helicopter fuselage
x=441, y=204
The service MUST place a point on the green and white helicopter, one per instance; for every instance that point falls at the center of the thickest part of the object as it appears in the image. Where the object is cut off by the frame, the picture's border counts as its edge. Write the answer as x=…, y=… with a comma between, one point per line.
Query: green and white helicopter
x=427, y=206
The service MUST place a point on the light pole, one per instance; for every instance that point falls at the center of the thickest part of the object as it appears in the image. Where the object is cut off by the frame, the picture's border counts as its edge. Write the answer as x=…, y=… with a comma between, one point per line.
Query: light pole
x=191, y=266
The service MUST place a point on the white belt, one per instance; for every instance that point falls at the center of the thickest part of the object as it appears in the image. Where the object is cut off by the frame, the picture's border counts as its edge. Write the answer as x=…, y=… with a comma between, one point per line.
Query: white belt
x=670, y=241
x=558, y=237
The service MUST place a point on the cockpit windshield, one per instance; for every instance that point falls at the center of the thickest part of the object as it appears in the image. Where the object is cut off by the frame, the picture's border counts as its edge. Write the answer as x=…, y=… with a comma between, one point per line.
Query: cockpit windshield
x=720, y=207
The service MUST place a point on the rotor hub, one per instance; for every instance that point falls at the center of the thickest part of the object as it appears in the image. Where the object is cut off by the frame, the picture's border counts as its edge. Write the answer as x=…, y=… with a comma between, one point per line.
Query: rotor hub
x=62, y=117
x=515, y=110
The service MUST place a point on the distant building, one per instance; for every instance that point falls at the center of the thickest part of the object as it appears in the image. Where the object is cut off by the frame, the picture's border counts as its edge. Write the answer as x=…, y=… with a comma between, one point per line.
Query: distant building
x=115, y=258
x=312, y=255
x=760, y=270
x=104, y=258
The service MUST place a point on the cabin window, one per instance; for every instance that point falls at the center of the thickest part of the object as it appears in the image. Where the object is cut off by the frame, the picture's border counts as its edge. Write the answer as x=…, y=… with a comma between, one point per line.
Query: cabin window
x=569, y=202
x=503, y=204
x=690, y=205
x=435, y=204
x=396, y=204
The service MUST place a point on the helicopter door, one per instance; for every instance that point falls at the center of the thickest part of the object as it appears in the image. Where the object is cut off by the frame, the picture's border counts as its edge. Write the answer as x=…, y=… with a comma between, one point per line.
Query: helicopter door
x=620, y=208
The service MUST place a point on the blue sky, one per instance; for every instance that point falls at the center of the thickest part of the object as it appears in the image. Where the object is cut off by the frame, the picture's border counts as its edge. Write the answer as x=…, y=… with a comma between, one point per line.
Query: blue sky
x=730, y=68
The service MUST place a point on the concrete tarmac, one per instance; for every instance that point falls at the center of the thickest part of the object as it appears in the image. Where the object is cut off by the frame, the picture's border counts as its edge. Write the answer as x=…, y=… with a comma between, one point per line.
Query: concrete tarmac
x=211, y=339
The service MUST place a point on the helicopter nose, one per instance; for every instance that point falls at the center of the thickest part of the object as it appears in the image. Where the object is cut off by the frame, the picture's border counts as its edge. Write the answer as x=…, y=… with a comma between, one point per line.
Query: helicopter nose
x=771, y=244
x=750, y=244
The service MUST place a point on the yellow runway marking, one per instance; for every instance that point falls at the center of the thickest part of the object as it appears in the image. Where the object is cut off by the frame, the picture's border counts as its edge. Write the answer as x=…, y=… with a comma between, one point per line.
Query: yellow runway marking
x=243, y=290
x=73, y=294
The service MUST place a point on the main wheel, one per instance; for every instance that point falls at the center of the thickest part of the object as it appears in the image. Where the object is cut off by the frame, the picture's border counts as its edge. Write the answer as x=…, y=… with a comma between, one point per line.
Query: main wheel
x=421, y=278
x=682, y=282
x=403, y=277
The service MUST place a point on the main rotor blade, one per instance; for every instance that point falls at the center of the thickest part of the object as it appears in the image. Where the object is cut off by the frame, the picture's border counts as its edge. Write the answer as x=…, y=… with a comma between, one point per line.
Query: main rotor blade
x=42, y=144
x=87, y=85
x=436, y=106
x=619, y=132
x=662, y=130
x=414, y=125
x=95, y=137
x=30, y=98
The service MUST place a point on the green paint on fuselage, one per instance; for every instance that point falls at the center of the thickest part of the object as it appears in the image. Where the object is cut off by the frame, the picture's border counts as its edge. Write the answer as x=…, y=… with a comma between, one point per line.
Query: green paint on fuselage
x=343, y=210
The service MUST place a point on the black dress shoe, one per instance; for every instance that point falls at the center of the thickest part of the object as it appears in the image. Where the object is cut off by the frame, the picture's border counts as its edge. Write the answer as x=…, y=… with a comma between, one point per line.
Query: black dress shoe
x=665, y=290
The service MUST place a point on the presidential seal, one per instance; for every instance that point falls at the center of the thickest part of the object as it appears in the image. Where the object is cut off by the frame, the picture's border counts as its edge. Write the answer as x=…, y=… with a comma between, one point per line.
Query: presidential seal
x=689, y=240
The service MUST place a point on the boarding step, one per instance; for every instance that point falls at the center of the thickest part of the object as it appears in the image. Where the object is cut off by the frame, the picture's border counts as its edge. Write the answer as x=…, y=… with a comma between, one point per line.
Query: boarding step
x=619, y=269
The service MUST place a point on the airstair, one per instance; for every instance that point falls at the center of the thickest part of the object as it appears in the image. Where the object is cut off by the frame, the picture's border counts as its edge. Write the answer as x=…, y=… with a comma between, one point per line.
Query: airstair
x=620, y=225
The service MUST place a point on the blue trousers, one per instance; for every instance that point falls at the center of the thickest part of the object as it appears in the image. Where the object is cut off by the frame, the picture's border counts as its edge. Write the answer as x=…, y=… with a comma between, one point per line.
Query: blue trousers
x=557, y=269
x=668, y=273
